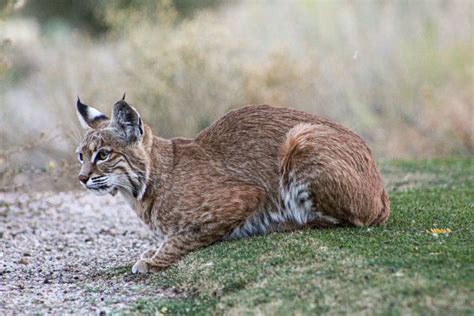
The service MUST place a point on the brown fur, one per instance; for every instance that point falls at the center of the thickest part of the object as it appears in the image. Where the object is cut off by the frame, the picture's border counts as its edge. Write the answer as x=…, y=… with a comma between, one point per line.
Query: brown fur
x=258, y=169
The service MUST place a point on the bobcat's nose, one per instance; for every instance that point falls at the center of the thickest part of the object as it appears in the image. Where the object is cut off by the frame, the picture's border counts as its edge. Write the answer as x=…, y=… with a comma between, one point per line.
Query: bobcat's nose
x=83, y=178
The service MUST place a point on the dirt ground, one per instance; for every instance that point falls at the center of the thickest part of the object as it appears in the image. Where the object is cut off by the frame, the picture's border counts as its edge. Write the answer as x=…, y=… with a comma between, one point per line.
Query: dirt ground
x=59, y=251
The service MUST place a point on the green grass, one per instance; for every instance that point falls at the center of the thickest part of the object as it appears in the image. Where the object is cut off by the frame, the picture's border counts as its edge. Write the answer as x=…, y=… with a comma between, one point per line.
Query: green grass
x=397, y=269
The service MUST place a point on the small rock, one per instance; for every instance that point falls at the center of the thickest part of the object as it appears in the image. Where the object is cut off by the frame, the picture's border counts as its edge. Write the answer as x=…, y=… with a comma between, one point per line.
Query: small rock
x=27, y=254
x=23, y=260
x=110, y=232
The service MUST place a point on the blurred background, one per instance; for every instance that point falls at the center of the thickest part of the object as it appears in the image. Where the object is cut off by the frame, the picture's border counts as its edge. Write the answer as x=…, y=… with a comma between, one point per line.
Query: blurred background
x=399, y=73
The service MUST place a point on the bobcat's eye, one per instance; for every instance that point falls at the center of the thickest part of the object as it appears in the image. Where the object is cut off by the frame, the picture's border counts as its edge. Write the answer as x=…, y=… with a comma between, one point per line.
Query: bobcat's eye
x=103, y=154
x=79, y=157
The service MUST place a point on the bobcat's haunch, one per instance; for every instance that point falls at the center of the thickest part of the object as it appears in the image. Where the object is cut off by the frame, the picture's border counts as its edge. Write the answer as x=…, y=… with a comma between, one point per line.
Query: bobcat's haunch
x=256, y=170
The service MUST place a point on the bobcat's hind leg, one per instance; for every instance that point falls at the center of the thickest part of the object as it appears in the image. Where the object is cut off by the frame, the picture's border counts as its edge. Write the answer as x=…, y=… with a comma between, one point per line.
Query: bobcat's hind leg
x=300, y=206
x=331, y=171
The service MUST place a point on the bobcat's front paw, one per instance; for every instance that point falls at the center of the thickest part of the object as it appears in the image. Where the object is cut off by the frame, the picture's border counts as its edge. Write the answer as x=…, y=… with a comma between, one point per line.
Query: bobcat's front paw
x=141, y=266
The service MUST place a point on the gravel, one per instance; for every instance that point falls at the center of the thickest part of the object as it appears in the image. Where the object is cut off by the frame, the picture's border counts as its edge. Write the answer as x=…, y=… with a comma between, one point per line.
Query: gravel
x=63, y=253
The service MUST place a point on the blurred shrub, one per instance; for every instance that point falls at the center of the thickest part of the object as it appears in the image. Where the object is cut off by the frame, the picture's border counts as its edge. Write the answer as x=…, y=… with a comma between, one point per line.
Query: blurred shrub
x=88, y=15
x=53, y=14
x=387, y=70
x=399, y=73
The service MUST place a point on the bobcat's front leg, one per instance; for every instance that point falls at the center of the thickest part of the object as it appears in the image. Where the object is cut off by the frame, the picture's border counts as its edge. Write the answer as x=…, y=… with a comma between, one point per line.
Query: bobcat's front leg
x=172, y=249
x=148, y=253
x=235, y=205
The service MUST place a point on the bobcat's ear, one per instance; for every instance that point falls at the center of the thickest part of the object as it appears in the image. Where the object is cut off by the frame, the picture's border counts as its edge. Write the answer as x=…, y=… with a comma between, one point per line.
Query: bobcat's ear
x=127, y=121
x=88, y=116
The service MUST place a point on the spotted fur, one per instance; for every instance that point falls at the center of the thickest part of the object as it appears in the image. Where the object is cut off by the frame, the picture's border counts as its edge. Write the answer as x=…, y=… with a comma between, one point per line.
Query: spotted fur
x=257, y=170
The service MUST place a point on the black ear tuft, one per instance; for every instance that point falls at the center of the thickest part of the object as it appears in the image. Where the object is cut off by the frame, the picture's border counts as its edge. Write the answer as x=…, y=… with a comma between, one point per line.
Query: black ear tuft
x=81, y=108
x=127, y=121
x=123, y=98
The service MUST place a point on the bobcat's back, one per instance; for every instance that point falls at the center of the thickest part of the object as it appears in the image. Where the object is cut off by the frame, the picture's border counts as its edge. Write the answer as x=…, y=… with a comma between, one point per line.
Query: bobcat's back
x=249, y=140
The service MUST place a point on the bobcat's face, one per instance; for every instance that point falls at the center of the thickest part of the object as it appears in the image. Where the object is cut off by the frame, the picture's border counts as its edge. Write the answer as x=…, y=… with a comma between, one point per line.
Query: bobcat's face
x=111, y=153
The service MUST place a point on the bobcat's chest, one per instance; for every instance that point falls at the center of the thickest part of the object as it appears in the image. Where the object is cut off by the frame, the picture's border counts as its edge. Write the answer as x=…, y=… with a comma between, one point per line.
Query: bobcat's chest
x=144, y=210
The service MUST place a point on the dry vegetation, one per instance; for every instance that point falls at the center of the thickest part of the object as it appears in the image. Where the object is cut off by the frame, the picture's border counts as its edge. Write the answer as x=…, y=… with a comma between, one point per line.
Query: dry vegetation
x=399, y=73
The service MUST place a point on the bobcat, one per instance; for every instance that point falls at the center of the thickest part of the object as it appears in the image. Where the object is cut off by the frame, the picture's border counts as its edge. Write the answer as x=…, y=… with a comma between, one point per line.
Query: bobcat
x=258, y=169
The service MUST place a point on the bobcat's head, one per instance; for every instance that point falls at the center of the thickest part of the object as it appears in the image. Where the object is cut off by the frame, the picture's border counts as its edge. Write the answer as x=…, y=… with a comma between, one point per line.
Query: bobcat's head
x=112, y=151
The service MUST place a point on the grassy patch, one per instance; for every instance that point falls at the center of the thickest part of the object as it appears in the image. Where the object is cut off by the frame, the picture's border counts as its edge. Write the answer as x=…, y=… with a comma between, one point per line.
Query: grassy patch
x=402, y=175
x=397, y=269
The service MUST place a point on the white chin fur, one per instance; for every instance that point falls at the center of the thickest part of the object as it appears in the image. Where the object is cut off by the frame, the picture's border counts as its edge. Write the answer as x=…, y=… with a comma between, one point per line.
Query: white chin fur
x=102, y=192
x=99, y=193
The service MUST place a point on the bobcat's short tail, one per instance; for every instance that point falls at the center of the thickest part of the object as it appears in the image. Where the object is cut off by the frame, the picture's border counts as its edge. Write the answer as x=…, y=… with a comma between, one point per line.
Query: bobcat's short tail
x=297, y=139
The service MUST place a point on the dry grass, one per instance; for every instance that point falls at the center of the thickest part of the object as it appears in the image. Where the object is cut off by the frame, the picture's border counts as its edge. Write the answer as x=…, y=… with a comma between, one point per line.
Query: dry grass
x=400, y=74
